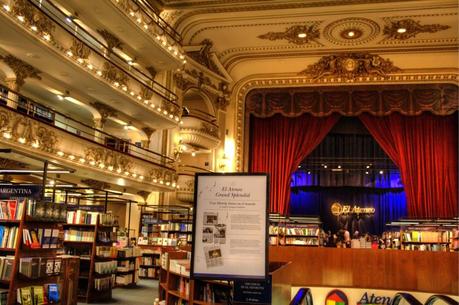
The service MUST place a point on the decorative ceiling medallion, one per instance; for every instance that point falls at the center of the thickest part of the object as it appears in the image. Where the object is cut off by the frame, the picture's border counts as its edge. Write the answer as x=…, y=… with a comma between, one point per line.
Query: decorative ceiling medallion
x=408, y=28
x=350, y=66
x=297, y=34
x=351, y=31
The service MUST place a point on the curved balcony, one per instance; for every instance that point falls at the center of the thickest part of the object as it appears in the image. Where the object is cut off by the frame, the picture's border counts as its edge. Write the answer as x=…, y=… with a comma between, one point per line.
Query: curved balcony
x=37, y=129
x=199, y=131
x=142, y=28
x=112, y=78
x=185, y=181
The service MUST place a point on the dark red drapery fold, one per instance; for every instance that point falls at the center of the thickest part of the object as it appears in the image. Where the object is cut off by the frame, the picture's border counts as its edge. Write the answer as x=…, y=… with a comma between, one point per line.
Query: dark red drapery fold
x=425, y=150
x=278, y=146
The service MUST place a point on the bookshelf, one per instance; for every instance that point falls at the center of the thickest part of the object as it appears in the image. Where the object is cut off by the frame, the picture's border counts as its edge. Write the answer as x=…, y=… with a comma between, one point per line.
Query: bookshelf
x=176, y=287
x=127, y=273
x=294, y=231
x=31, y=267
x=423, y=235
x=90, y=235
x=150, y=265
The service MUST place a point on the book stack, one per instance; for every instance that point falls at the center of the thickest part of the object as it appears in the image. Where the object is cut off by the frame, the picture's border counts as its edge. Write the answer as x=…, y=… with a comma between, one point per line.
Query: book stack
x=106, y=251
x=148, y=272
x=11, y=209
x=78, y=235
x=82, y=217
x=38, y=295
x=46, y=211
x=38, y=267
x=41, y=238
x=104, y=283
x=8, y=237
x=105, y=267
x=6, y=267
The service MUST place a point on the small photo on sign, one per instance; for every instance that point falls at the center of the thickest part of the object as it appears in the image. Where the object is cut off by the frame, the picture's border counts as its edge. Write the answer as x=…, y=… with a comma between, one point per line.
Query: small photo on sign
x=208, y=235
x=210, y=218
x=220, y=234
x=213, y=256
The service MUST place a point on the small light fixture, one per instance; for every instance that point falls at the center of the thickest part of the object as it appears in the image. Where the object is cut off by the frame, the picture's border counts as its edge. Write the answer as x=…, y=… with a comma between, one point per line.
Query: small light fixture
x=325, y=166
x=46, y=36
x=82, y=160
x=118, y=170
x=69, y=19
x=99, y=72
x=381, y=172
x=161, y=182
x=34, y=28
x=126, y=173
x=102, y=165
x=21, y=18
x=131, y=62
x=141, y=177
x=134, y=175
x=168, y=183
x=6, y=7
x=366, y=172
x=182, y=56
x=21, y=140
x=145, y=26
x=351, y=33
x=80, y=60
x=193, y=154
x=299, y=166
x=132, y=93
x=155, y=180
x=339, y=166
x=90, y=67
x=7, y=135
x=309, y=172
x=368, y=166
x=60, y=97
x=401, y=30
x=92, y=162
x=302, y=35
x=110, y=167
x=184, y=62
x=71, y=157
x=35, y=144
x=69, y=53
x=60, y=153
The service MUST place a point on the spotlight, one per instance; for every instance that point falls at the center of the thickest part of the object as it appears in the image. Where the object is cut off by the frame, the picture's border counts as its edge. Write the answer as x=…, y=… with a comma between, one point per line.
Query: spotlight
x=401, y=30
x=381, y=172
x=302, y=35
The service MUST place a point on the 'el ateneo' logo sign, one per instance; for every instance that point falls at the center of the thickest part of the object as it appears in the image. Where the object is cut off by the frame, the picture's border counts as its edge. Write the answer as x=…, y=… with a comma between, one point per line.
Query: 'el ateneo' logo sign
x=338, y=209
x=367, y=299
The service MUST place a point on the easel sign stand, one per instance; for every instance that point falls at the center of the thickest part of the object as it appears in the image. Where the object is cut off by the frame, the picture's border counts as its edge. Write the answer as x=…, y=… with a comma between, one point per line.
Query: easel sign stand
x=230, y=233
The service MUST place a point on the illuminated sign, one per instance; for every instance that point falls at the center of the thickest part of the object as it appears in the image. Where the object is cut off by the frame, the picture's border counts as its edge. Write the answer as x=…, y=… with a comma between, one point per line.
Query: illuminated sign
x=338, y=209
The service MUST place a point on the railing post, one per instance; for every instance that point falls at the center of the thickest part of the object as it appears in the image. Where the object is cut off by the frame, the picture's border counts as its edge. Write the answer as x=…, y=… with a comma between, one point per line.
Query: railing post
x=12, y=98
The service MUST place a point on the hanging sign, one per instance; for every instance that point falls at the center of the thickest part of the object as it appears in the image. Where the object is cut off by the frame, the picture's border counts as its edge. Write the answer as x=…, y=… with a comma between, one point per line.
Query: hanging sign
x=20, y=191
x=338, y=209
x=230, y=228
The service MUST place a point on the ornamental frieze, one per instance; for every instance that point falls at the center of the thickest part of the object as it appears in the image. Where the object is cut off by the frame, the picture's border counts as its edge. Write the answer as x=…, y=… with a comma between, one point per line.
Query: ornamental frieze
x=106, y=158
x=22, y=70
x=409, y=28
x=350, y=66
x=297, y=34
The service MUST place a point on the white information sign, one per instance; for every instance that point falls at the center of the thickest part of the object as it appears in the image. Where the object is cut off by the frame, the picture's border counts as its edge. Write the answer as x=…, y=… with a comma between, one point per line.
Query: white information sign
x=230, y=226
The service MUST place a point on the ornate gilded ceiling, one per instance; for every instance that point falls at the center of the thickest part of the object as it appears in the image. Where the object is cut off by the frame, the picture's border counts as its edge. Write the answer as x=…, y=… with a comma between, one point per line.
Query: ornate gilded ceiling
x=256, y=37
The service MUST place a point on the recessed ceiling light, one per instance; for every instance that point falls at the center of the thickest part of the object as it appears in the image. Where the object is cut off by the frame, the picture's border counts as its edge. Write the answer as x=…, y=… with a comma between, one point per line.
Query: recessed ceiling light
x=351, y=33
x=401, y=30
x=302, y=35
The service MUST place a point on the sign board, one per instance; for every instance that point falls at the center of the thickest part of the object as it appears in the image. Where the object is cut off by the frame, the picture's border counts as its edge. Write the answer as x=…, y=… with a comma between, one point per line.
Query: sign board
x=20, y=191
x=252, y=292
x=230, y=226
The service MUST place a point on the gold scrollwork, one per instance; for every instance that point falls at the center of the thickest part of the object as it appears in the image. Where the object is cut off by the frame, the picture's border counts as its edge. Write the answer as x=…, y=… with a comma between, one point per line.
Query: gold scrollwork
x=408, y=28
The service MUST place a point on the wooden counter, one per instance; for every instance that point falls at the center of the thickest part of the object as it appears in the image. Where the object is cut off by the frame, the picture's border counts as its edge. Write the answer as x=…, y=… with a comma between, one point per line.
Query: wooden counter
x=435, y=272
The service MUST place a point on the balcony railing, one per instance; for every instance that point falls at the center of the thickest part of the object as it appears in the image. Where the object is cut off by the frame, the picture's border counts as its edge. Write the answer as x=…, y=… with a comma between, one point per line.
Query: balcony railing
x=52, y=28
x=59, y=17
x=147, y=10
x=199, y=130
x=32, y=109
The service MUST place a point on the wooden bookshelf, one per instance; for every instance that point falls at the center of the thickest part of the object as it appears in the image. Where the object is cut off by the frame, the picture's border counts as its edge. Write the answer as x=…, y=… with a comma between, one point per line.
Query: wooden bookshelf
x=20, y=250
x=177, y=288
x=147, y=267
x=87, y=290
x=294, y=232
x=134, y=272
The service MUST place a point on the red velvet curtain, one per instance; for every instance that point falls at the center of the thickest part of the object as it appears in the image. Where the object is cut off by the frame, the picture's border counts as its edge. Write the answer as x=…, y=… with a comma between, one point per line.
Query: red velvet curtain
x=425, y=150
x=279, y=144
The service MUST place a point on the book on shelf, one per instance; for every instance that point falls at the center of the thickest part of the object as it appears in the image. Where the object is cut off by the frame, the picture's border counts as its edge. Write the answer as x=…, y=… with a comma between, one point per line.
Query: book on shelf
x=3, y=296
x=90, y=218
x=6, y=267
x=107, y=251
x=11, y=209
x=79, y=235
x=8, y=237
x=106, y=237
x=41, y=238
x=37, y=267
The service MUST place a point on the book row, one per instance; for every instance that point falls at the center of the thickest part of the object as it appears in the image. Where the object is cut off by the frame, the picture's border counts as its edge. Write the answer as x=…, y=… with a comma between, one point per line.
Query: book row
x=8, y=237
x=39, y=295
x=106, y=251
x=11, y=209
x=104, y=283
x=37, y=267
x=78, y=235
x=46, y=211
x=105, y=267
x=41, y=238
x=90, y=218
x=6, y=267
